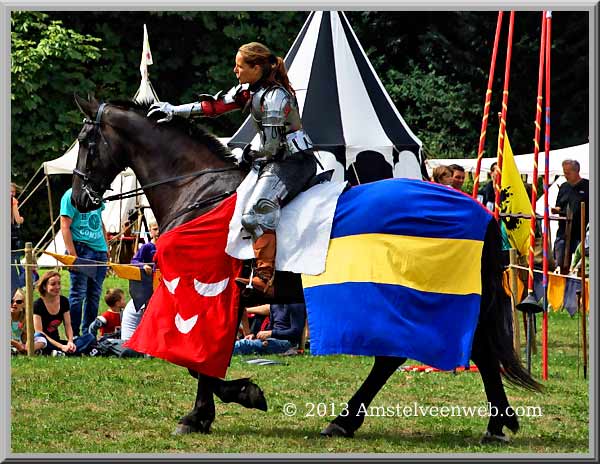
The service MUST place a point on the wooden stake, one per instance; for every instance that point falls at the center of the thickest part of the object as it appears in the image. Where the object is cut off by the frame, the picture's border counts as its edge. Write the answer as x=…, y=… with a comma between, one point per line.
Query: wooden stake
x=583, y=299
x=514, y=288
x=29, y=297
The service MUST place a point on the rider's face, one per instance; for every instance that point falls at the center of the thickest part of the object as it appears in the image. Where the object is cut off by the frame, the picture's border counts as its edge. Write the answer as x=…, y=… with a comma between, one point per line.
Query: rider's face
x=245, y=73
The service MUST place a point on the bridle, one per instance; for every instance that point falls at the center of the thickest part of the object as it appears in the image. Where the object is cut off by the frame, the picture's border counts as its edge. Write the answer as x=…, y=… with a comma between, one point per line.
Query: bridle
x=87, y=179
x=104, y=184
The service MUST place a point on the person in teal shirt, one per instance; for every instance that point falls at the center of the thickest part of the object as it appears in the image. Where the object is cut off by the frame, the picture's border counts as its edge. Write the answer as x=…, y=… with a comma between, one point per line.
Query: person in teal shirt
x=85, y=238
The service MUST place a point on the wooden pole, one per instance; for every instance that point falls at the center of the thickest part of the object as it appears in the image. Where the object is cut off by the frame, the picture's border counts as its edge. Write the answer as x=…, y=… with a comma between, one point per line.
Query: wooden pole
x=514, y=287
x=50, y=210
x=29, y=297
x=304, y=337
x=583, y=287
x=486, y=106
x=565, y=266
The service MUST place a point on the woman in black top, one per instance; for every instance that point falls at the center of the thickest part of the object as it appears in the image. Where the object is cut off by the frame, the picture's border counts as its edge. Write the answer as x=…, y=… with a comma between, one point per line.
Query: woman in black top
x=50, y=311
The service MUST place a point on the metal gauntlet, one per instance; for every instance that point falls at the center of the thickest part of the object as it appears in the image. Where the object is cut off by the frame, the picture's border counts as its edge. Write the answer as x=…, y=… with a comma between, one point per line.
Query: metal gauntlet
x=183, y=111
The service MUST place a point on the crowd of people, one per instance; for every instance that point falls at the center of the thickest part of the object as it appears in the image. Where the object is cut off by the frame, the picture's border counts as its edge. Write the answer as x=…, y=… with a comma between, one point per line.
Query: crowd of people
x=267, y=329
x=564, y=256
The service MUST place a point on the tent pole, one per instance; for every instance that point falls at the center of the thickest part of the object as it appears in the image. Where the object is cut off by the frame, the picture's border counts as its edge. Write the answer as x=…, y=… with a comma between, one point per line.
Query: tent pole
x=50, y=210
x=355, y=173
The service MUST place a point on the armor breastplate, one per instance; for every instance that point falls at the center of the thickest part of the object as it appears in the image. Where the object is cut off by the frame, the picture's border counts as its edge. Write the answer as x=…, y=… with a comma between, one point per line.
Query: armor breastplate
x=275, y=111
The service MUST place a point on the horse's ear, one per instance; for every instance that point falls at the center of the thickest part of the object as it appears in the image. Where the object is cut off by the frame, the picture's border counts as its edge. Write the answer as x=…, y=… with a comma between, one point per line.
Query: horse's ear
x=84, y=105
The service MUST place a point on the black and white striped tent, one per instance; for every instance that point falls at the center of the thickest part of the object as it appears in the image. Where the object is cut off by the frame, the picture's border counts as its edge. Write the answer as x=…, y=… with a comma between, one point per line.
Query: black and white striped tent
x=345, y=109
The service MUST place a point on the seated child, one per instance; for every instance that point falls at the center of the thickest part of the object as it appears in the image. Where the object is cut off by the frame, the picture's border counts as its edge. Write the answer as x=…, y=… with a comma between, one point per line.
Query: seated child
x=18, y=340
x=110, y=320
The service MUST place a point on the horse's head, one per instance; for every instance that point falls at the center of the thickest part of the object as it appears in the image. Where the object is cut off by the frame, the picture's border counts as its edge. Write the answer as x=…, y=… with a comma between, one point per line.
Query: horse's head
x=99, y=160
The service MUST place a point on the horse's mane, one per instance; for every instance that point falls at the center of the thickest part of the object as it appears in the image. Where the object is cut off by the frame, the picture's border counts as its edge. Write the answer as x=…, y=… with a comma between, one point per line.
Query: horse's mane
x=185, y=126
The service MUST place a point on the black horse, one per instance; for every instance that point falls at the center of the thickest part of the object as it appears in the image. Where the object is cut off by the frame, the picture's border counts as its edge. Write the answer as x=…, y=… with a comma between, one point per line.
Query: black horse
x=185, y=171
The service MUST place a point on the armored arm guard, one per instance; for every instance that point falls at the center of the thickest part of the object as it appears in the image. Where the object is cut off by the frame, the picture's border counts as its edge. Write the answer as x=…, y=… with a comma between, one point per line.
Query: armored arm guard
x=213, y=106
x=207, y=105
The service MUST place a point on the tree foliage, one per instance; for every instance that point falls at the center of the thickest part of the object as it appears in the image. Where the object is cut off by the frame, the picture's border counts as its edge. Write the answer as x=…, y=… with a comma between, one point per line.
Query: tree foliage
x=434, y=65
x=49, y=63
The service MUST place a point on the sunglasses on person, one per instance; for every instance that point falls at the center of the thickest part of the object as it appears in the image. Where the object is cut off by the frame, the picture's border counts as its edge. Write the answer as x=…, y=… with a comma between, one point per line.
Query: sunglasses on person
x=16, y=301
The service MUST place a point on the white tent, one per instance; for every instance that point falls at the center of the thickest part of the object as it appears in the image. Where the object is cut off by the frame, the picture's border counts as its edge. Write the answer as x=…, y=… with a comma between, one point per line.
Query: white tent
x=580, y=153
x=345, y=109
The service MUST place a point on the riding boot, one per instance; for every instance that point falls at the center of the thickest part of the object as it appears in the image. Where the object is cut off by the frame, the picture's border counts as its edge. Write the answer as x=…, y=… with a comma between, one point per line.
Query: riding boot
x=265, y=248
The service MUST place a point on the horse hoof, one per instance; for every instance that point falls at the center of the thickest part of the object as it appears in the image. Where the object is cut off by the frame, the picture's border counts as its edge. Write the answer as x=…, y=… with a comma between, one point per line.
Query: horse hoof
x=334, y=430
x=256, y=397
x=489, y=438
x=186, y=429
x=182, y=429
x=251, y=396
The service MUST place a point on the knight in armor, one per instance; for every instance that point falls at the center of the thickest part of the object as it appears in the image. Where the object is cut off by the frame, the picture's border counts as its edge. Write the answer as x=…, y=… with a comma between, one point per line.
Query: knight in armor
x=285, y=160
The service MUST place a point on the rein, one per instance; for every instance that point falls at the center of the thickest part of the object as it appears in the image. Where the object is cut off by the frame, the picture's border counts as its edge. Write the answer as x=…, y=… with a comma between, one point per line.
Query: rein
x=132, y=193
x=86, y=178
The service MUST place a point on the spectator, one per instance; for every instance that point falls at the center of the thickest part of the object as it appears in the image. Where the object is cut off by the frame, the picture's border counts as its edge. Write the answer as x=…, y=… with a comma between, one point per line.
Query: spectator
x=442, y=175
x=49, y=312
x=576, y=261
x=130, y=319
x=458, y=176
x=16, y=242
x=110, y=321
x=487, y=194
x=571, y=194
x=144, y=258
x=18, y=340
x=284, y=331
x=145, y=255
x=85, y=237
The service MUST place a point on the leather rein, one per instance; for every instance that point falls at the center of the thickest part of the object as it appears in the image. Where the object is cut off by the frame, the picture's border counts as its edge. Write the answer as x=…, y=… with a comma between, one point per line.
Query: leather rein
x=95, y=196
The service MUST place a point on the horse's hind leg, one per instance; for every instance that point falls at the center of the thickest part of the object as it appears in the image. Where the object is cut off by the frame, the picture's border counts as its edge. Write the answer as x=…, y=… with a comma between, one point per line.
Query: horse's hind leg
x=201, y=417
x=501, y=414
x=352, y=418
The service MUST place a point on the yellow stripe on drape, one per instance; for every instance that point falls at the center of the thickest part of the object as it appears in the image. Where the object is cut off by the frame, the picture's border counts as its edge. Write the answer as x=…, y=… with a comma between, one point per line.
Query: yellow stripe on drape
x=439, y=265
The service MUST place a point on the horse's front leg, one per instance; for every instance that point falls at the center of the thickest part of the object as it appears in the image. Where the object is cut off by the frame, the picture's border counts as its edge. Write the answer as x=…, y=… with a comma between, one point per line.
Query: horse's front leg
x=352, y=418
x=201, y=417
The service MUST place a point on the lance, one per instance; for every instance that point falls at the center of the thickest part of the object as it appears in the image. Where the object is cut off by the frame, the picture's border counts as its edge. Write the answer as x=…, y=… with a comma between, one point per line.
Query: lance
x=498, y=181
x=530, y=305
x=546, y=213
x=486, y=106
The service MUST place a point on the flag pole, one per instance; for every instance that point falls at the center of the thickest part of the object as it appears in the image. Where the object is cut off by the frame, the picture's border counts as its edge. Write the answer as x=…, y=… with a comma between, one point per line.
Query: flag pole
x=486, y=106
x=498, y=181
x=546, y=213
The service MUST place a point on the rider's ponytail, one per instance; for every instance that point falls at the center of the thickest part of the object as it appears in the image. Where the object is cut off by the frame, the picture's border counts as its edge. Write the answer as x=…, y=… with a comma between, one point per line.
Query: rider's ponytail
x=274, y=71
x=279, y=75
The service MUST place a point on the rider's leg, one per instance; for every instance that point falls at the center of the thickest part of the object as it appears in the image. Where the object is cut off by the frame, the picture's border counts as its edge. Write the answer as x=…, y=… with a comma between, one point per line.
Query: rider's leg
x=260, y=219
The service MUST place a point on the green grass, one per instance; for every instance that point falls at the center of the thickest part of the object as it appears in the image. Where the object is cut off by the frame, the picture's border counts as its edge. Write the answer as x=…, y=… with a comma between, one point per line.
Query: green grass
x=111, y=405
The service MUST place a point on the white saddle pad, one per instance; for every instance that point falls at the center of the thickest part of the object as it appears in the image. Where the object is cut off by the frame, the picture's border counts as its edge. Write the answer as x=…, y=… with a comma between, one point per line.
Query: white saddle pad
x=303, y=231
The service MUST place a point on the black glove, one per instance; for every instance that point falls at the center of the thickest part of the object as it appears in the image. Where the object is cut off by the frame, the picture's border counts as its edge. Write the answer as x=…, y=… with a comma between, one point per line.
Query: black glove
x=247, y=157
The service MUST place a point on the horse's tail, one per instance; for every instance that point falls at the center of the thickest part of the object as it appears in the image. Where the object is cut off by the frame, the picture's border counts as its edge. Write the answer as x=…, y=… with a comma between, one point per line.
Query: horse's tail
x=496, y=312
